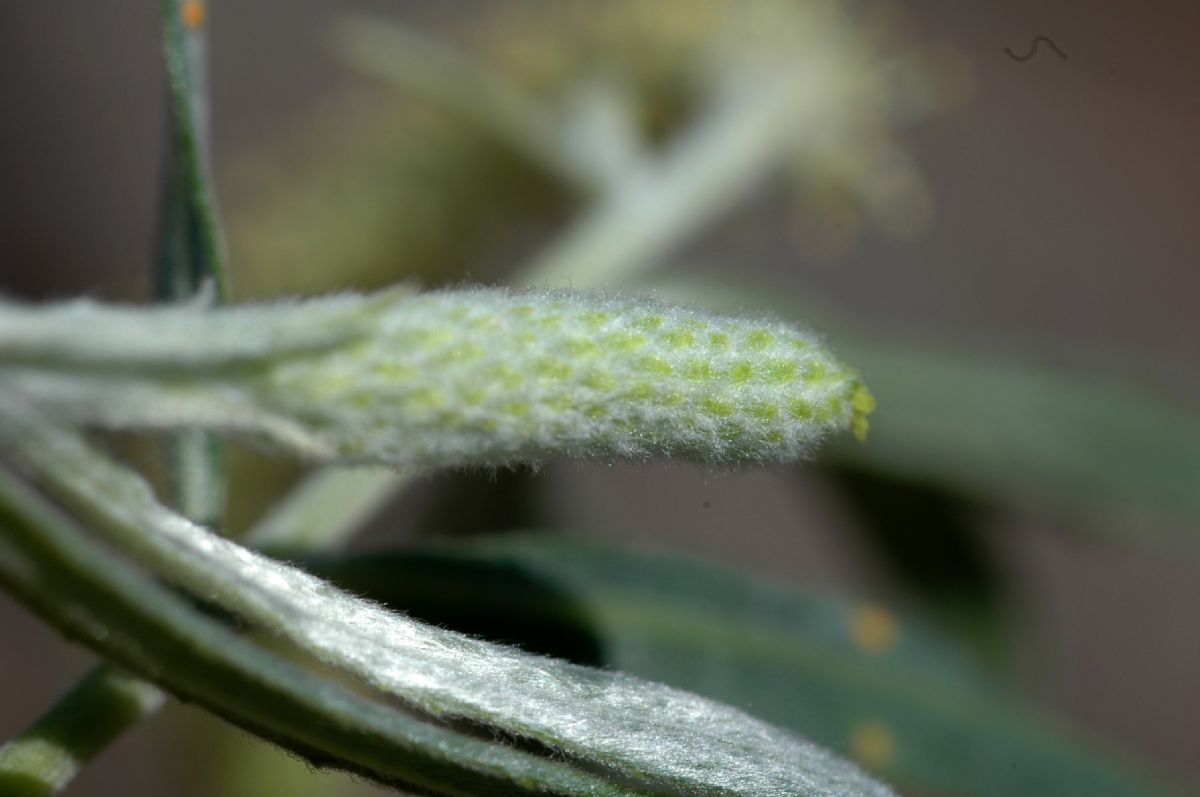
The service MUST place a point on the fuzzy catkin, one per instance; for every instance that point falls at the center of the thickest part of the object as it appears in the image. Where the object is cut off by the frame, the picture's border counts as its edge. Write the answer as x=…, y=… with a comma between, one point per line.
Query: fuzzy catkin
x=489, y=376
x=484, y=377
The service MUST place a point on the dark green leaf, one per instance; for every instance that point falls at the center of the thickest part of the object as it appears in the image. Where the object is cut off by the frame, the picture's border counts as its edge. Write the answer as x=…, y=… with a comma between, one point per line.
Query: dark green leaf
x=929, y=540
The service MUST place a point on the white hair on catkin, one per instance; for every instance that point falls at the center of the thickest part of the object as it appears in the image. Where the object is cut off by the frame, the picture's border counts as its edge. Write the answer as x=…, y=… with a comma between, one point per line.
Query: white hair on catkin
x=457, y=377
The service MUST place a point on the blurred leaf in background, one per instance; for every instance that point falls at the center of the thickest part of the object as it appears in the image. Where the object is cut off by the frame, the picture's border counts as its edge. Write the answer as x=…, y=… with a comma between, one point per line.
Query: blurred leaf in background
x=930, y=541
x=857, y=677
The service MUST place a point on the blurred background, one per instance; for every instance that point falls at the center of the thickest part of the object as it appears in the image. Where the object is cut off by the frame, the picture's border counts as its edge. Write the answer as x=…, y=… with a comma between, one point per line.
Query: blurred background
x=1019, y=215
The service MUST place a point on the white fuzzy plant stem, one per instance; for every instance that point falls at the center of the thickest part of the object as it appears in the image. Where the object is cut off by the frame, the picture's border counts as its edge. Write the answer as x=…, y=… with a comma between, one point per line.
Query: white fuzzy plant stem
x=652, y=739
x=462, y=377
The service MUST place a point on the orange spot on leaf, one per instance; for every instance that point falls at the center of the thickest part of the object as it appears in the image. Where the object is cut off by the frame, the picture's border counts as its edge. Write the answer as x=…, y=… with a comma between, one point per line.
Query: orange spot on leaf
x=873, y=745
x=874, y=629
x=193, y=13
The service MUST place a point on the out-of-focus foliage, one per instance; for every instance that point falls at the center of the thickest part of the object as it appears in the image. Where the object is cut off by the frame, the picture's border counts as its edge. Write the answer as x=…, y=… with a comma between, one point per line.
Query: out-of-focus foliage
x=856, y=677
x=999, y=426
x=407, y=186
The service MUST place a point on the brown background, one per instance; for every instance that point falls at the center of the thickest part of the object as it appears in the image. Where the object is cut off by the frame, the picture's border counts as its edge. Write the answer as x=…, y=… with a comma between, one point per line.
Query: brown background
x=1067, y=190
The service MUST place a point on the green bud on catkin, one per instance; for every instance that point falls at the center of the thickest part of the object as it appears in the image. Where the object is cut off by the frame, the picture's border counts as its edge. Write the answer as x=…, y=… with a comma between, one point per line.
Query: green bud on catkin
x=488, y=376
x=493, y=377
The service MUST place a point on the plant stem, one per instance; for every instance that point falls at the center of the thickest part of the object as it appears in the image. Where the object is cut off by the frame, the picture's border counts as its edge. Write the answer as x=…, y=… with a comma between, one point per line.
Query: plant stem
x=190, y=247
x=663, y=201
x=46, y=757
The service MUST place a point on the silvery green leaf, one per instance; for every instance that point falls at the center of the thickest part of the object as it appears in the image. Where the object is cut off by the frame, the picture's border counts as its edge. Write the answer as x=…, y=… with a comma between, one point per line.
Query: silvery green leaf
x=646, y=736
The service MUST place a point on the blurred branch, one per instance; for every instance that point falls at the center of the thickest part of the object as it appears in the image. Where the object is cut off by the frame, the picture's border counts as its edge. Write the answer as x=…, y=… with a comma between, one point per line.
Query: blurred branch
x=711, y=166
x=453, y=82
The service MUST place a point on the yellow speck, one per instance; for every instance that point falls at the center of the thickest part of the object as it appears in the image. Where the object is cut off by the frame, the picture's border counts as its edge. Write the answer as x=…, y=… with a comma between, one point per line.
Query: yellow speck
x=697, y=370
x=518, y=409
x=193, y=13
x=672, y=398
x=622, y=341
x=763, y=410
x=760, y=339
x=799, y=409
x=719, y=407
x=679, y=339
x=641, y=391
x=779, y=371
x=593, y=318
x=600, y=380
x=862, y=400
x=874, y=629
x=550, y=368
x=873, y=745
x=863, y=404
x=580, y=347
x=742, y=371
x=655, y=365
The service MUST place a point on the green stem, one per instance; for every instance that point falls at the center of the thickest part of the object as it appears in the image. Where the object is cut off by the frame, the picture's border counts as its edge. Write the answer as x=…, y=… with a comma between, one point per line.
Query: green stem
x=665, y=200
x=50, y=753
x=191, y=249
x=326, y=508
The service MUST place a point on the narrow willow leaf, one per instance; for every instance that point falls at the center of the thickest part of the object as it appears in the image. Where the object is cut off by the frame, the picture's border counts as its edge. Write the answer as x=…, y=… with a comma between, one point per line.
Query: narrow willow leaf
x=461, y=377
x=192, y=246
x=856, y=677
x=97, y=598
x=643, y=735
x=191, y=249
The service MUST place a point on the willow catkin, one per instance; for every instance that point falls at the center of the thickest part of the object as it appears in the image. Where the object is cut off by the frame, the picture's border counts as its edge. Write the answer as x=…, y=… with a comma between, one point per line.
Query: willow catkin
x=490, y=377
